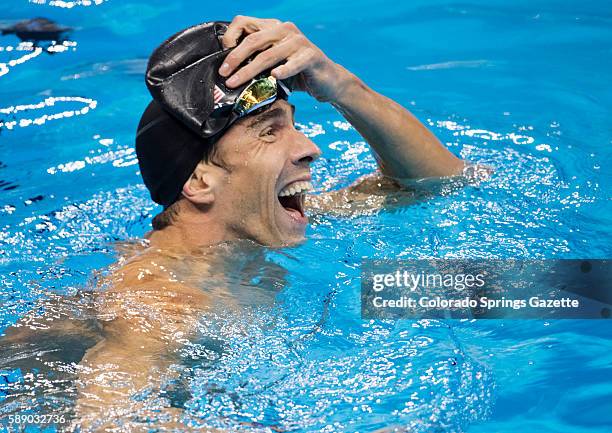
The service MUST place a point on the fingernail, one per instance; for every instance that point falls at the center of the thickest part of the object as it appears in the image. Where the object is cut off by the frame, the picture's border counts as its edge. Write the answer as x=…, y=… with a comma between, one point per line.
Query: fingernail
x=232, y=80
x=224, y=68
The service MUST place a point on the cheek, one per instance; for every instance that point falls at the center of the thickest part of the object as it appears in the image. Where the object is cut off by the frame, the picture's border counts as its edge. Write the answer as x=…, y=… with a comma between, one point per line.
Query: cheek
x=254, y=176
x=265, y=165
x=250, y=187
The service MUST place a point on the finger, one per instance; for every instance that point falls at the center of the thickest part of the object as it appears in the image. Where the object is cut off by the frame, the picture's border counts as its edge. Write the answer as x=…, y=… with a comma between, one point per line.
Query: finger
x=295, y=64
x=253, y=43
x=238, y=25
x=263, y=61
x=242, y=24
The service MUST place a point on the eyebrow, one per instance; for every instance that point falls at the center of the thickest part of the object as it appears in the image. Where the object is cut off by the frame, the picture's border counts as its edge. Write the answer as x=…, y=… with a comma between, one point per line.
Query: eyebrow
x=267, y=115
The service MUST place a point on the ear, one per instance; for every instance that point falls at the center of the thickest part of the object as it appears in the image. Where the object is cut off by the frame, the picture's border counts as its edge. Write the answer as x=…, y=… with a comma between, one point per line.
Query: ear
x=201, y=187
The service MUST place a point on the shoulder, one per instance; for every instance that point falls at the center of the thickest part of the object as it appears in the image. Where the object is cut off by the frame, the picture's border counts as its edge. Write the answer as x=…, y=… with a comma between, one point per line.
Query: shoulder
x=149, y=284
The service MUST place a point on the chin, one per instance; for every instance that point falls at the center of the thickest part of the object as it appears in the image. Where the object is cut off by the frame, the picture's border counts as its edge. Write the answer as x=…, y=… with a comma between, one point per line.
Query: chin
x=275, y=240
x=295, y=241
x=287, y=241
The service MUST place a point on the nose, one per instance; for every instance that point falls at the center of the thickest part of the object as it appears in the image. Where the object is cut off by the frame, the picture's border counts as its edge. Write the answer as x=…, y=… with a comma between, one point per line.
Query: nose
x=305, y=151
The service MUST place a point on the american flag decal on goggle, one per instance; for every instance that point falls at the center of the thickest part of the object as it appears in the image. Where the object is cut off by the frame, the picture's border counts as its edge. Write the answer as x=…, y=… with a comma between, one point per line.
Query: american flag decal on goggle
x=218, y=94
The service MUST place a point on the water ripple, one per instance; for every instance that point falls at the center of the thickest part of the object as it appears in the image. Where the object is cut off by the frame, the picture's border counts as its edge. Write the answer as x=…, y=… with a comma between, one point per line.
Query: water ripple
x=12, y=111
x=31, y=52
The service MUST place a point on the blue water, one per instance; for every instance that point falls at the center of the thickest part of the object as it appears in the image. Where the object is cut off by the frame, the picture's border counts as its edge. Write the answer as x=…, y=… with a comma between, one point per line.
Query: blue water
x=522, y=86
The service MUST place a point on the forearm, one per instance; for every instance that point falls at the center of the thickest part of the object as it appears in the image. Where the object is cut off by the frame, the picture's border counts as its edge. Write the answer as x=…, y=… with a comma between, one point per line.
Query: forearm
x=404, y=147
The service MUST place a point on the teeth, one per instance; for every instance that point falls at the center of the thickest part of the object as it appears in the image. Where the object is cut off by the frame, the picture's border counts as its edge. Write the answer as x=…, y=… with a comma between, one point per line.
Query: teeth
x=295, y=188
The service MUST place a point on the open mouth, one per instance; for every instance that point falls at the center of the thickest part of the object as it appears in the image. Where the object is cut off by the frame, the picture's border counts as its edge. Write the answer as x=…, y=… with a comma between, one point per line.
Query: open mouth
x=292, y=197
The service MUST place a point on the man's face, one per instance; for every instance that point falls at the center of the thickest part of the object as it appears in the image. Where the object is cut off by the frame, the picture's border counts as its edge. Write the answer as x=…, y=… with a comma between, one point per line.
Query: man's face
x=261, y=196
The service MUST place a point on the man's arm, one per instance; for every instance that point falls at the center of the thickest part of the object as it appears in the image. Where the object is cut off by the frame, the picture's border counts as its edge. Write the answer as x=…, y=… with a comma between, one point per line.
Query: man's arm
x=404, y=147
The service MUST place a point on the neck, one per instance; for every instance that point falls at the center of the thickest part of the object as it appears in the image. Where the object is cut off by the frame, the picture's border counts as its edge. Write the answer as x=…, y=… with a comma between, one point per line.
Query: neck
x=190, y=230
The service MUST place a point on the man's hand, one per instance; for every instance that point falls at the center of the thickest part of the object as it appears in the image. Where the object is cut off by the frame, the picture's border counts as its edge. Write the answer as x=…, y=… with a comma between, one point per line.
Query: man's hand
x=280, y=43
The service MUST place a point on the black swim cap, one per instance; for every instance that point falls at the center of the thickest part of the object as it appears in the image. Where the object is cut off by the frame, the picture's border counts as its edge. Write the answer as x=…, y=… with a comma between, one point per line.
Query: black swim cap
x=181, y=124
x=167, y=153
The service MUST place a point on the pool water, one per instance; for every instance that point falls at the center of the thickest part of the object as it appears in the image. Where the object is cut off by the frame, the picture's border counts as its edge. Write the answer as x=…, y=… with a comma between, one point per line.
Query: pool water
x=522, y=86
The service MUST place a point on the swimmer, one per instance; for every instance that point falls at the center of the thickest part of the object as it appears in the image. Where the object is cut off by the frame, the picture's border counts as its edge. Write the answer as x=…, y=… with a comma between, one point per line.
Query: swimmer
x=218, y=149
x=37, y=30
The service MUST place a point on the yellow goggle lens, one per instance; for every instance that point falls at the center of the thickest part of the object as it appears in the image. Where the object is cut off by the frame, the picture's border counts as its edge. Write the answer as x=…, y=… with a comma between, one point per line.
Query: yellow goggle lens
x=256, y=95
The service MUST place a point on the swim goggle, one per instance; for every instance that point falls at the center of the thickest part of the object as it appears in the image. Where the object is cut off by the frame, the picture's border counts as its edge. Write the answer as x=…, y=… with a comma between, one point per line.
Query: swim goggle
x=259, y=93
